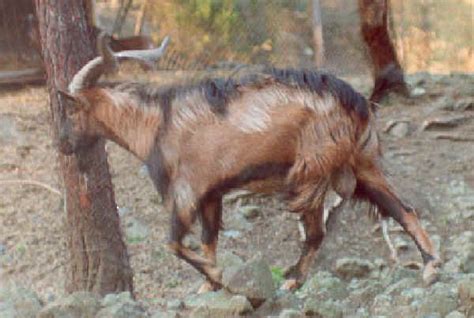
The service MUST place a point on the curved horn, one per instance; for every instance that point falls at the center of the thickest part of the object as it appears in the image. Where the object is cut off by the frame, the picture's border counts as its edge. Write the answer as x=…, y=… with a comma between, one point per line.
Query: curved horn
x=108, y=62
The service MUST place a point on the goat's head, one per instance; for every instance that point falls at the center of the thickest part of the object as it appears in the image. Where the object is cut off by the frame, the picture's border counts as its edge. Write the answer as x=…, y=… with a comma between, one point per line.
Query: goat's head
x=80, y=129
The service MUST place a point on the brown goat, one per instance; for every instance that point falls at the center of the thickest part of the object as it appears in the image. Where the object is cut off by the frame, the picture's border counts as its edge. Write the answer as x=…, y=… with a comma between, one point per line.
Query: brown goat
x=300, y=133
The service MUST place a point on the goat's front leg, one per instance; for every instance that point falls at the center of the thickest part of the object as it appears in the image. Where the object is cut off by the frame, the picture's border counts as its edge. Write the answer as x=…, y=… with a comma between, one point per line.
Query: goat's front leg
x=211, y=215
x=181, y=221
x=313, y=222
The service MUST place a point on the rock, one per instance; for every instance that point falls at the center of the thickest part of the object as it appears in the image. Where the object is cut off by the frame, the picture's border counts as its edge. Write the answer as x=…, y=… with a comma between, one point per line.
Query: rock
x=397, y=274
x=122, y=211
x=232, y=234
x=398, y=287
x=120, y=306
x=455, y=314
x=351, y=267
x=78, y=304
x=252, y=279
x=144, y=172
x=290, y=313
x=165, y=314
x=250, y=212
x=400, y=244
x=191, y=242
x=464, y=242
x=237, y=222
x=3, y=249
x=417, y=92
x=323, y=285
x=9, y=133
x=467, y=262
x=398, y=129
x=382, y=305
x=218, y=304
x=175, y=304
x=18, y=302
x=466, y=290
x=327, y=309
x=441, y=299
x=464, y=104
x=136, y=231
x=444, y=122
x=229, y=263
x=365, y=294
x=276, y=304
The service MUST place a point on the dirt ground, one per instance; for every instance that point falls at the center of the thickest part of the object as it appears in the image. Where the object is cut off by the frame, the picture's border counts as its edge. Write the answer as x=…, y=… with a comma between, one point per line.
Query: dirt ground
x=433, y=168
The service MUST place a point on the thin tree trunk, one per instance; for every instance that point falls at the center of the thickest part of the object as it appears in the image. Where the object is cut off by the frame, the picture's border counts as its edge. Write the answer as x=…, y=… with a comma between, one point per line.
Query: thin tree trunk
x=387, y=72
x=140, y=18
x=98, y=257
x=317, y=33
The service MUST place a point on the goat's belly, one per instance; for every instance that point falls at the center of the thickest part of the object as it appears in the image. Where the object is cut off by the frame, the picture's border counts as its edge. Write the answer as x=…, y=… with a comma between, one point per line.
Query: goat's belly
x=266, y=186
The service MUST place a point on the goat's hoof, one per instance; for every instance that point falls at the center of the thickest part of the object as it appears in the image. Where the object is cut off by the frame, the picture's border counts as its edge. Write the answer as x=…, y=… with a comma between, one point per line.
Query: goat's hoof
x=430, y=272
x=290, y=284
x=207, y=287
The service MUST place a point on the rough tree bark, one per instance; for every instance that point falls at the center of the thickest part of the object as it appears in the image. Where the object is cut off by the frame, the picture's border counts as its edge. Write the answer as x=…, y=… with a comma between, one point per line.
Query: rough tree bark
x=317, y=33
x=98, y=257
x=387, y=72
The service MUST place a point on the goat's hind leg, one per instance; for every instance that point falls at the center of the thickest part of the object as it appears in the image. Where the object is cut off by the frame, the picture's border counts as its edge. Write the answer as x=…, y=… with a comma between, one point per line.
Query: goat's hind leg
x=313, y=222
x=375, y=188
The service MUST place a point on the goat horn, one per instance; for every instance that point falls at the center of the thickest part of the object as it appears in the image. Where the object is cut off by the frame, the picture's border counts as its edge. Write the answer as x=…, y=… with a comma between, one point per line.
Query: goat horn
x=108, y=62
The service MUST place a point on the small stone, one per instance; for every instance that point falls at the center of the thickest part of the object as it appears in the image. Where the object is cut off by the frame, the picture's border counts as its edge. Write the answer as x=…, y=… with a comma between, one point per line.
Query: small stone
x=144, y=172
x=136, y=231
x=175, y=304
x=232, y=234
x=252, y=279
x=16, y=301
x=3, y=249
x=327, y=309
x=445, y=122
x=467, y=262
x=466, y=290
x=290, y=313
x=191, y=243
x=165, y=314
x=250, y=212
x=323, y=285
x=417, y=92
x=398, y=129
x=351, y=267
x=78, y=304
x=120, y=306
x=455, y=314
x=237, y=222
x=441, y=299
x=400, y=244
x=229, y=263
x=123, y=210
x=218, y=304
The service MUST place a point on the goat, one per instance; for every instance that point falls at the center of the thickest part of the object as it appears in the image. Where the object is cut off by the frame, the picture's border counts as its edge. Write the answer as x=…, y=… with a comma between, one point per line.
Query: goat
x=300, y=133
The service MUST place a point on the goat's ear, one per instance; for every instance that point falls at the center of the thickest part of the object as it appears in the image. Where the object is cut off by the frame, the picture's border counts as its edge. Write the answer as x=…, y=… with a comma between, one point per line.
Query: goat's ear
x=72, y=103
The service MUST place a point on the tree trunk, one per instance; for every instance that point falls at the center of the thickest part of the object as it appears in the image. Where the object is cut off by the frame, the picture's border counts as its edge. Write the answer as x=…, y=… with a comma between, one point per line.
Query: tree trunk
x=317, y=33
x=140, y=21
x=98, y=256
x=387, y=72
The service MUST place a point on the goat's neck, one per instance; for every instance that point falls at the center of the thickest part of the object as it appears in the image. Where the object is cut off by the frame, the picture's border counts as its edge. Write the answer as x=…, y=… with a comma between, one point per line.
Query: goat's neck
x=130, y=127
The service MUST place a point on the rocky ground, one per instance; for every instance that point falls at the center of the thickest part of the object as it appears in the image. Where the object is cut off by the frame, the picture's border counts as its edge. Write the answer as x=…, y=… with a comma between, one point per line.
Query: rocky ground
x=429, y=153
